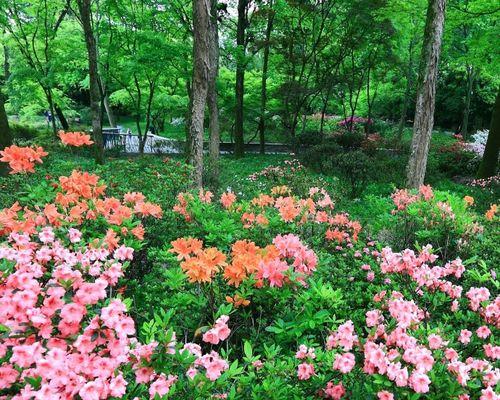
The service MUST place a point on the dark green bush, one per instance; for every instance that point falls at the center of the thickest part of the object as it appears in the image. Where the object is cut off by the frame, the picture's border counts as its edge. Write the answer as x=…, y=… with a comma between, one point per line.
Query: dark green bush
x=319, y=157
x=23, y=132
x=355, y=167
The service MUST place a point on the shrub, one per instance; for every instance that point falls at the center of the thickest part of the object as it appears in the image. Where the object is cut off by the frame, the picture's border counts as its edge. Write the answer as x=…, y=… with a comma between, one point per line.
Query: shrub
x=355, y=167
x=23, y=132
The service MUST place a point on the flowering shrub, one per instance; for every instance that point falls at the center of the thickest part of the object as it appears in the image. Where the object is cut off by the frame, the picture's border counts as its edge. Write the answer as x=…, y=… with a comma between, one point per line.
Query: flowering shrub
x=76, y=139
x=436, y=218
x=22, y=159
x=276, y=296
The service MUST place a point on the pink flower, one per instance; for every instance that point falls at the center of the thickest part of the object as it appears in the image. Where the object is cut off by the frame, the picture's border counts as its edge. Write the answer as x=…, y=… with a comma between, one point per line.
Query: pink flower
x=334, y=391
x=465, y=336
x=419, y=382
x=305, y=371
x=370, y=276
x=483, y=332
x=372, y=318
x=344, y=363
x=435, y=341
x=161, y=386
x=219, y=332
x=73, y=312
x=385, y=395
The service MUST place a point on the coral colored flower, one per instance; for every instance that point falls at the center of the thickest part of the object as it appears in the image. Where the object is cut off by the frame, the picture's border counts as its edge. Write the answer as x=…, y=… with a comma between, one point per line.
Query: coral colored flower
x=22, y=159
x=227, y=199
x=490, y=214
x=469, y=200
x=76, y=139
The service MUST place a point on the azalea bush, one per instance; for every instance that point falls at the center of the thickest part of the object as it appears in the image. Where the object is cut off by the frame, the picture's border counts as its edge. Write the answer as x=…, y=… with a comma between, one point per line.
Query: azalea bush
x=126, y=286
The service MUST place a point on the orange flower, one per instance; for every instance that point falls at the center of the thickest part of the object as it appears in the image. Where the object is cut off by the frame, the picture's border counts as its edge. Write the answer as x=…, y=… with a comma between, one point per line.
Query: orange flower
x=490, y=214
x=22, y=159
x=185, y=247
x=238, y=301
x=201, y=268
x=76, y=139
x=469, y=200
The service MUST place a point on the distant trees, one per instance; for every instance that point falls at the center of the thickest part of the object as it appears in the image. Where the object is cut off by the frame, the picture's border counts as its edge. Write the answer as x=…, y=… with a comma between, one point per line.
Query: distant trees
x=427, y=80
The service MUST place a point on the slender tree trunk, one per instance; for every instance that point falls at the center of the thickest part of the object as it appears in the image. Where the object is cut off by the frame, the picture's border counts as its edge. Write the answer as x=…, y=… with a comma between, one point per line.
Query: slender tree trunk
x=109, y=110
x=468, y=97
x=189, y=91
x=239, y=149
x=84, y=7
x=201, y=74
x=489, y=163
x=60, y=116
x=213, y=109
x=409, y=84
x=5, y=134
x=424, y=110
x=263, y=92
x=50, y=101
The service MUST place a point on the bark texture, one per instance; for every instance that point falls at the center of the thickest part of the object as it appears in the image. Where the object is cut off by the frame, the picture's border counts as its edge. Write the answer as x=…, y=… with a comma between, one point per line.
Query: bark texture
x=489, y=163
x=201, y=74
x=239, y=149
x=426, y=93
x=5, y=133
x=263, y=92
x=84, y=7
x=213, y=109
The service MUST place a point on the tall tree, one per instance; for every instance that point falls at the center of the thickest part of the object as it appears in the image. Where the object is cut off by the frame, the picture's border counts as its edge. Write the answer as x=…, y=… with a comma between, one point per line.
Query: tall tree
x=5, y=134
x=265, y=67
x=85, y=14
x=242, y=22
x=213, y=109
x=424, y=109
x=201, y=77
x=489, y=163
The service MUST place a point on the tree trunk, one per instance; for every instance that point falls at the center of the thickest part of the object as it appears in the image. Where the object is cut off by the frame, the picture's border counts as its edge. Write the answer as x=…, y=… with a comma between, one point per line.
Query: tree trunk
x=489, y=163
x=5, y=134
x=424, y=109
x=84, y=7
x=109, y=110
x=50, y=101
x=213, y=109
x=189, y=91
x=409, y=84
x=201, y=74
x=239, y=149
x=468, y=96
x=60, y=116
x=263, y=92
